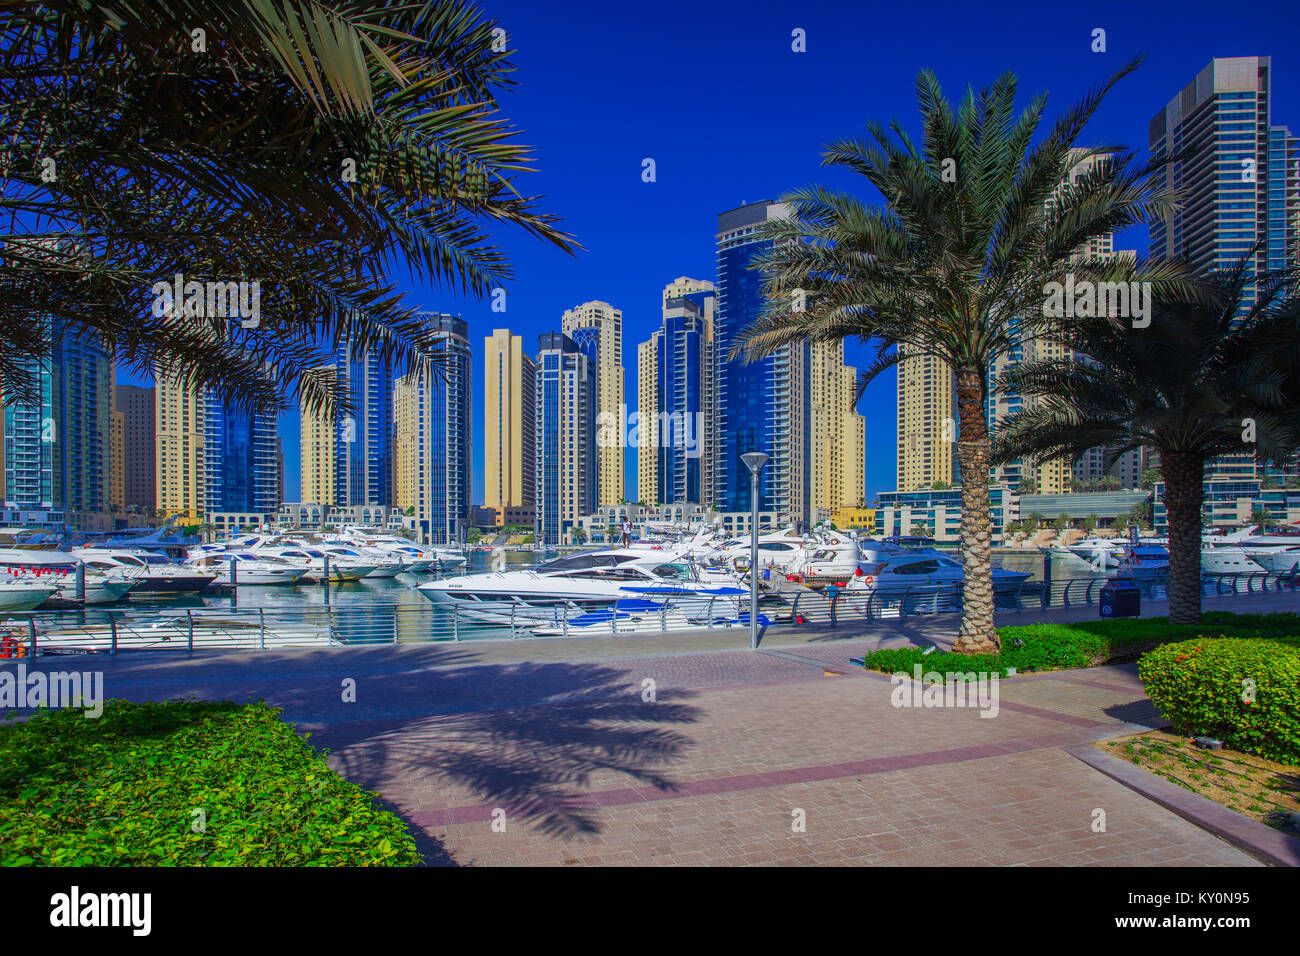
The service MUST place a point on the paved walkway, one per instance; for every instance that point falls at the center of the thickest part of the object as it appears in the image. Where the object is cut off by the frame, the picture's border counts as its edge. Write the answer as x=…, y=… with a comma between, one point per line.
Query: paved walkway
x=785, y=755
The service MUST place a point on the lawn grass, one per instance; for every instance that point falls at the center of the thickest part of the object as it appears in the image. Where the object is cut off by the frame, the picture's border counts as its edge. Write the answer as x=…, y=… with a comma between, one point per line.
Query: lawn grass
x=1041, y=647
x=182, y=783
x=1263, y=790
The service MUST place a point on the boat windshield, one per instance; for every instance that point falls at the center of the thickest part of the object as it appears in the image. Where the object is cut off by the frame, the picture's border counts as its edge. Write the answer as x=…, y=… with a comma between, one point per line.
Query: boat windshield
x=590, y=559
x=674, y=572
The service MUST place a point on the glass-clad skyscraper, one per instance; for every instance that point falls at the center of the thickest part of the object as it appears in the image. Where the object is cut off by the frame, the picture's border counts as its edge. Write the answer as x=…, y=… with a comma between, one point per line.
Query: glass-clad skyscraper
x=760, y=406
x=365, y=436
x=432, y=437
x=241, y=465
x=564, y=435
x=56, y=446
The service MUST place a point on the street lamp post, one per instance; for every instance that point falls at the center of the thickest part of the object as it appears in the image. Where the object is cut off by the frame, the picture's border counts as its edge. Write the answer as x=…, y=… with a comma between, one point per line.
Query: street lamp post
x=754, y=461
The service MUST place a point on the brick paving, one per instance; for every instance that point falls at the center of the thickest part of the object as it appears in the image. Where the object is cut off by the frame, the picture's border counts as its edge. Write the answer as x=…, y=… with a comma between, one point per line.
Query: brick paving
x=732, y=750
x=735, y=748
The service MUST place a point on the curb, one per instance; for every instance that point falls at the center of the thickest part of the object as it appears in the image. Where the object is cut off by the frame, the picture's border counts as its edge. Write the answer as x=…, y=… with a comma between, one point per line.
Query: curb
x=1257, y=839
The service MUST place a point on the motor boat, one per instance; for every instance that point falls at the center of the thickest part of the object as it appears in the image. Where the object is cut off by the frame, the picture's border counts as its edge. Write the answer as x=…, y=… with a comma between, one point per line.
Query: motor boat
x=890, y=570
x=154, y=573
x=585, y=582
x=1144, y=561
x=312, y=560
x=415, y=559
x=830, y=564
x=777, y=551
x=17, y=594
x=387, y=565
x=252, y=570
x=1278, y=551
x=1227, y=560
x=59, y=569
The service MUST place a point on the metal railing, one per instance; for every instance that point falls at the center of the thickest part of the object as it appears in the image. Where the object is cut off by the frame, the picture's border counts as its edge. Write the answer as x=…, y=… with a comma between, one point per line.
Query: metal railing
x=116, y=630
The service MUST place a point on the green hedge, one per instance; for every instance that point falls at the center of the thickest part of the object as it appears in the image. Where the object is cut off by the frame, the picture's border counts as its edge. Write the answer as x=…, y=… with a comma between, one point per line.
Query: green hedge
x=121, y=790
x=1200, y=687
x=1033, y=647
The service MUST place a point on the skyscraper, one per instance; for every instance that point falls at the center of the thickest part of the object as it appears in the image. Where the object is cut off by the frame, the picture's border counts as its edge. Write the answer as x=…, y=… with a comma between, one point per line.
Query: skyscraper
x=431, y=419
x=565, y=470
x=675, y=386
x=349, y=460
x=136, y=406
x=509, y=449
x=927, y=422
x=606, y=341
x=58, y=447
x=319, y=440
x=179, y=460
x=764, y=405
x=1239, y=178
x=838, y=441
x=647, y=395
x=240, y=472
x=117, y=467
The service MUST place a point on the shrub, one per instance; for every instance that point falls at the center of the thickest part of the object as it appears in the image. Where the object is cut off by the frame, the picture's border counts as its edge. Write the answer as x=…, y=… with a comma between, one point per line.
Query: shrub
x=1032, y=647
x=121, y=790
x=1199, y=686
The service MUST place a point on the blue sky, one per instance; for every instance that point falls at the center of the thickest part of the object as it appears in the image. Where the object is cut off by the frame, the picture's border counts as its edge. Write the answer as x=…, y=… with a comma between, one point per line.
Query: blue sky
x=714, y=94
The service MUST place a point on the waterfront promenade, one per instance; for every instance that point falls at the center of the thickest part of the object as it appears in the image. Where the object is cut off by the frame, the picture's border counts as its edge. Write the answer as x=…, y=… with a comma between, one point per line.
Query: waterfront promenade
x=561, y=740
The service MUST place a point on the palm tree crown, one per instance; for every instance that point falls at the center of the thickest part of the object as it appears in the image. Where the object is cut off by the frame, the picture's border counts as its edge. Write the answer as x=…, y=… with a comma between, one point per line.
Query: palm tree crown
x=977, y=221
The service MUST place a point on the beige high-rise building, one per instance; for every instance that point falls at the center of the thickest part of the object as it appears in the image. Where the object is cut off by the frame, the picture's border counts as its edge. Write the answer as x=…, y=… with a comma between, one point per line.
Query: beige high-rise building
x=647, y=393
x=318, y=445
x=406, y=442
x=606, y=323
x=180, y=466
x=509, y=419
x=838, y=439
x=927, y=422
x=116, y=462
x=1054, y=476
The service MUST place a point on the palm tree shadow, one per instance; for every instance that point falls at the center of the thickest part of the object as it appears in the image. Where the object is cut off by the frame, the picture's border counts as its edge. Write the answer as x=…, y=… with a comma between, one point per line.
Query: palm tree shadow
x=554, y=728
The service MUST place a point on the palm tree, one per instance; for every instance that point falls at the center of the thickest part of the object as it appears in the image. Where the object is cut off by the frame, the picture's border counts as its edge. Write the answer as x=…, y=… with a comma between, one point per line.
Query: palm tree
x=306, y=145
x=977, y=221
x=1211, y=376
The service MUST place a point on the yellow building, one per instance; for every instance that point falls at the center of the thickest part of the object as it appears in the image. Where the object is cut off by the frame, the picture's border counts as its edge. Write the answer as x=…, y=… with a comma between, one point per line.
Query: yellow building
x=647, y=378
x=509, y=409
x=608, y=323
x=406, y=443
x=318, y=445
x=179, y=459
x=838, y=439
x=861, y=518
x=927, y=422
x=117, y=462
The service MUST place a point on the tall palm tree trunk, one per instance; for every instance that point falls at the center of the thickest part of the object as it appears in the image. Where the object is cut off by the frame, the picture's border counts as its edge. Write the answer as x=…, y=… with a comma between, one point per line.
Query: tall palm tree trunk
x=977, y=635
x=1183, y=496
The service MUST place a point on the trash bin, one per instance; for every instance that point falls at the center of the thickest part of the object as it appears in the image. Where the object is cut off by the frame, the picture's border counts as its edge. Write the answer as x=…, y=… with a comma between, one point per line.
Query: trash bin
x=1120, y=597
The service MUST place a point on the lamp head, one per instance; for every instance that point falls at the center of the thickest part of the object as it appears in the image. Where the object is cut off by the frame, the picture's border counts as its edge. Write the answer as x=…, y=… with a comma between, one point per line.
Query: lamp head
x=754, y=461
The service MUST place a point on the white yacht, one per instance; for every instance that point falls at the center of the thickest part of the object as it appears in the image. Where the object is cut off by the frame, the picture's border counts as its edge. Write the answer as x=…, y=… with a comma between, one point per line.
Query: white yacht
x=312, y=560
x=59, y=569
x=18, y=594
x=1278, y=551
x=777, y=551
x=888, y=569
x=153, y=573
x=590, y=581
x=1228, y=560
x=252, y=571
